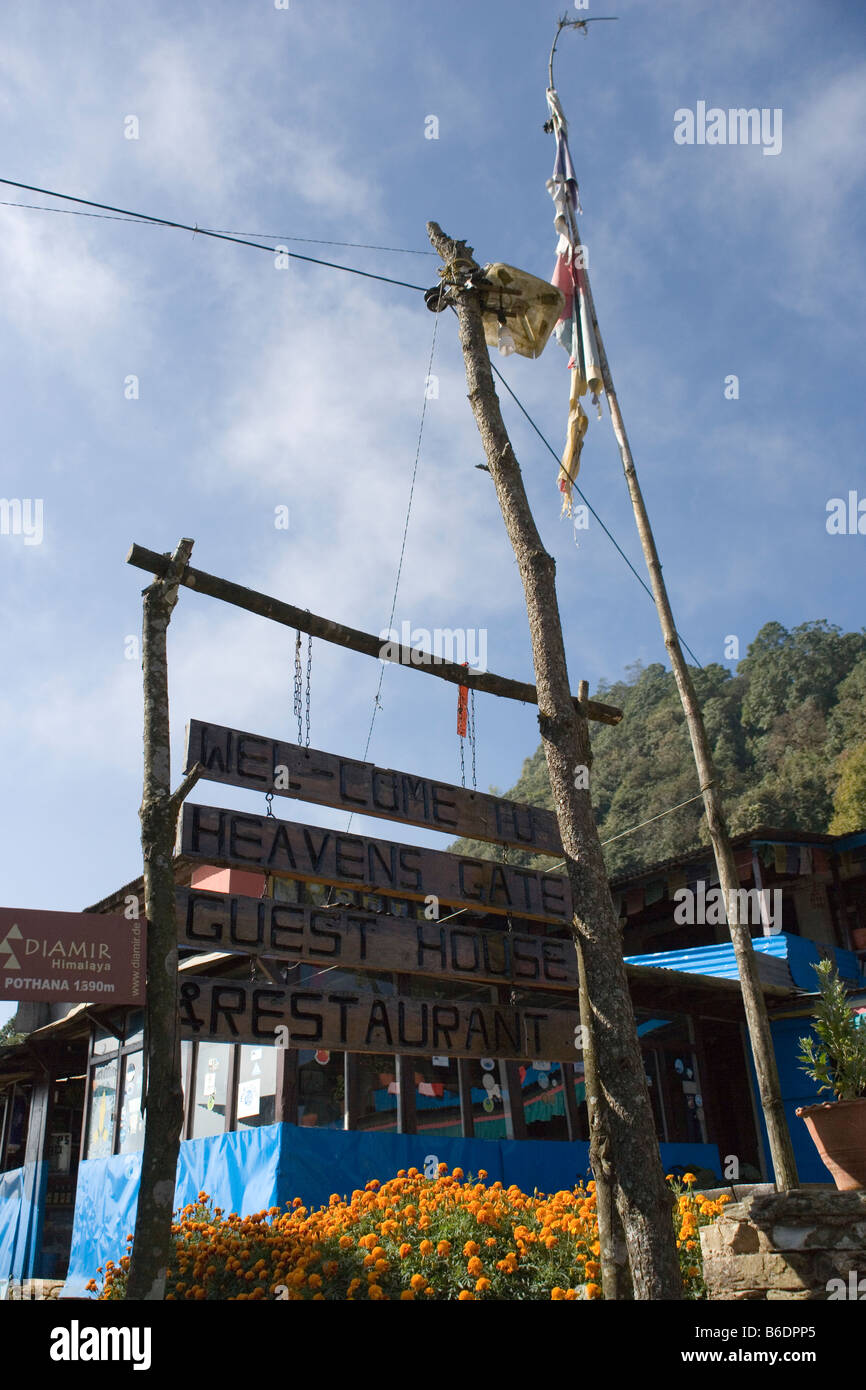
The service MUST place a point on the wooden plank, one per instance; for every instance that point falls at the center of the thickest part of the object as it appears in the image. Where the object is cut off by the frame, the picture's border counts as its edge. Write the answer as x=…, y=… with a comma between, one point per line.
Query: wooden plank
x=364, y=642
x=240, y=840
x=356, y=939
x=467, y=1119
x=263, y=764
x=357, y=1021
x=407, y=1119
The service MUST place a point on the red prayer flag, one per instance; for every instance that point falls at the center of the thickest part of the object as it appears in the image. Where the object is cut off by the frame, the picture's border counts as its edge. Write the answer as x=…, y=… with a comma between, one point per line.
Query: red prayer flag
x=462, y=707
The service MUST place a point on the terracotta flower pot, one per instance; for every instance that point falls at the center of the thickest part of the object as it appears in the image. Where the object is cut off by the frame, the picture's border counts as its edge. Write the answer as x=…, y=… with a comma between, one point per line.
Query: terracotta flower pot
x=838, y=1129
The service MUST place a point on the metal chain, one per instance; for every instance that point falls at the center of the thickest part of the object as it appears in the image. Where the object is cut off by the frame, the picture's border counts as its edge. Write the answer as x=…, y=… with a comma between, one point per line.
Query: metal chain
x=472, y=735
x=298, y=703
x=462, y=763
x=309, y=670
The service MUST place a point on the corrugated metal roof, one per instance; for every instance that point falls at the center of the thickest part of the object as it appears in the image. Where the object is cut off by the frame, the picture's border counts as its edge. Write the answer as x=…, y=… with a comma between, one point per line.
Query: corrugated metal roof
x=782, y=960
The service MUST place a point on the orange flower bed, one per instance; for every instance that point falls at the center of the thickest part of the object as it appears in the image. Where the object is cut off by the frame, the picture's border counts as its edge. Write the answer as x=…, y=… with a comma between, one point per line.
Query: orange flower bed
x=412, y=1238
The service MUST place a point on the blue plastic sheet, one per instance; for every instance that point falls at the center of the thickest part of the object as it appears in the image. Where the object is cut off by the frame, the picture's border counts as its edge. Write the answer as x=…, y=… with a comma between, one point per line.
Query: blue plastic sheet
x=22, y=1203
x=239, y=1170
x=797, y=1089
x=252, y=1170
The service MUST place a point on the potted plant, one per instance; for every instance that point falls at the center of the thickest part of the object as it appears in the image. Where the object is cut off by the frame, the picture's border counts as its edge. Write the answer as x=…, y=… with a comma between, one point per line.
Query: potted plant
x=836, y=1059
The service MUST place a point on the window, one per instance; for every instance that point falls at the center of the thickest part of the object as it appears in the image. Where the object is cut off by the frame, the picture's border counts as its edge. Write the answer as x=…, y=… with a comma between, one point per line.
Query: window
x=437, y=1096
x=542, y=1093
x=210, y=1089
x=321, y=1089
x=376, y=1086
x=257, y=1086
x=103, y=1097
x=131, y=1136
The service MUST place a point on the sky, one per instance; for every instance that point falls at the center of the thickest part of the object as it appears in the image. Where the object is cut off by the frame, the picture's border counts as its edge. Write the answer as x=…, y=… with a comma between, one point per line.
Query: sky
x=156, y=384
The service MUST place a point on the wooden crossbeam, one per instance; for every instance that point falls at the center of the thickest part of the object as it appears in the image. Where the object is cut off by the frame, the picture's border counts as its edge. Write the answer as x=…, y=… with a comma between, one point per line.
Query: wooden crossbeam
x=354, y=639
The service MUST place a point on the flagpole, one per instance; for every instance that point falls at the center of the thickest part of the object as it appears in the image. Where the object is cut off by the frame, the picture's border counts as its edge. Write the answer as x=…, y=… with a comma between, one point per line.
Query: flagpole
x=781, y=1148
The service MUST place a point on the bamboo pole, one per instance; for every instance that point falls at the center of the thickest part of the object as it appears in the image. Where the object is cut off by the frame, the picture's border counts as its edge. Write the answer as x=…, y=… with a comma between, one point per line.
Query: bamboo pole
x=163, y=1092
x=355, y=640
x=757, y=1019
x=638, y=1187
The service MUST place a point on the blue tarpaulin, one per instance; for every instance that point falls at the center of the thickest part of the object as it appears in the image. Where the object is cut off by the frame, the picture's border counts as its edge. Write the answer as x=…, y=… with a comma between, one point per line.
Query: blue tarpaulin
x=22, y=1202
x=251, y=1170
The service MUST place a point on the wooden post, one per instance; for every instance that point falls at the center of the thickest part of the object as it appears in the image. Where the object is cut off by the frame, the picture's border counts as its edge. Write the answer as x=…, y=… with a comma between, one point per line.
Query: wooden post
x=163, y=1094
x=781, y=1147
x=641, y=1195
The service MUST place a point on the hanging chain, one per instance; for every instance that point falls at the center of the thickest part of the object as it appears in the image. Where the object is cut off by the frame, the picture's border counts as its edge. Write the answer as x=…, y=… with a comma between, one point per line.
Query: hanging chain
x=298, y=681
x=462, y=763
x=472, y=735
x=309, y=670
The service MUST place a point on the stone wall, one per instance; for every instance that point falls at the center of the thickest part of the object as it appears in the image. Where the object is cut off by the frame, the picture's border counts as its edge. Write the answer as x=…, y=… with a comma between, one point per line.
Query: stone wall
x=36, y=1290
x=778, y=1245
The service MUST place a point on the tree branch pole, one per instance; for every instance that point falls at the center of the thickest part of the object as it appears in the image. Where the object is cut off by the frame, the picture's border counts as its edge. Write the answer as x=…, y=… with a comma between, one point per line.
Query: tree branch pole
x=642, y=1197
x=615, y=1276
x=163, y=1092
x=781, y=1148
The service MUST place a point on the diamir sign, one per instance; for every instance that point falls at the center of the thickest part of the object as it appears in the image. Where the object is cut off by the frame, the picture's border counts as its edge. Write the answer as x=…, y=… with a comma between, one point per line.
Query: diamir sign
x=71, y=957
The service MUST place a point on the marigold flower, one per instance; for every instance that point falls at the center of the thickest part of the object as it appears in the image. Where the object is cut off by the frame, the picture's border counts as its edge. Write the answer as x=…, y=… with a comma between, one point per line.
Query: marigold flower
x=465, y=1296
x=482, y=1285
x=475, y=1266
x=404, y=1251
x=426, y=1247
x=557, y=1294
x=443, y=1248
x=407, y=1296
x=417, y=1282
x=689, y=1179
x=470, y=1248
x=593, y=1291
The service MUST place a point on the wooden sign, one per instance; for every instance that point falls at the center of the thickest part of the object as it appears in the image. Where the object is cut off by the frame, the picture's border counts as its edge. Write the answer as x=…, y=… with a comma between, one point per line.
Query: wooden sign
x=359, y=940
x=71, y=957
x=239, y=840
x=356, y=1021
x=286, y=769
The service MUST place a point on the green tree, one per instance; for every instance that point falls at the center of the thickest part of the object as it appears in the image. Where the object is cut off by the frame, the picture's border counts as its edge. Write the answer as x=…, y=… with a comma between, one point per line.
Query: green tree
x=849, y=804
x=784, y=731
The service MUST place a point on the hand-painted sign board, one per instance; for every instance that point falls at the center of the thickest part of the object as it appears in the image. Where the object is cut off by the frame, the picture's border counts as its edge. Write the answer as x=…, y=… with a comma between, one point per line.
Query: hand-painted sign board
x=239, y=840
x=355, y=939
x=286, y=769
x=356, y=1021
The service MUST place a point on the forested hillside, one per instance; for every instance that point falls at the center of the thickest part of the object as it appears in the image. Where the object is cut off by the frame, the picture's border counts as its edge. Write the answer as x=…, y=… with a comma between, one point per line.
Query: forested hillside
x=788, y=735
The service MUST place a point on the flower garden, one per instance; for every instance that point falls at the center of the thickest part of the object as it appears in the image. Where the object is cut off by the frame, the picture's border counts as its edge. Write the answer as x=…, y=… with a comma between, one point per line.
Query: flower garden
x=409, y=1239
